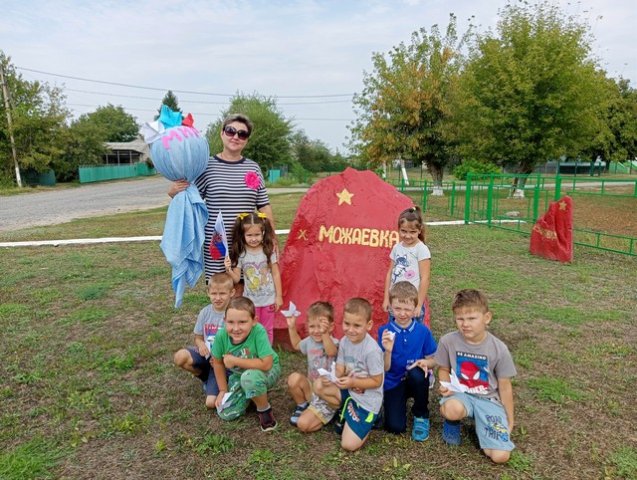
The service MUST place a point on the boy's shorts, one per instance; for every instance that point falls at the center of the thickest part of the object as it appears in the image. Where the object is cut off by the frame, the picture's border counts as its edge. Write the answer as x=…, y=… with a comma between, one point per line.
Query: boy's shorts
x=492, y=426
x=321, y=409
x=359, y=419
x=245, y=386
x=207, y=375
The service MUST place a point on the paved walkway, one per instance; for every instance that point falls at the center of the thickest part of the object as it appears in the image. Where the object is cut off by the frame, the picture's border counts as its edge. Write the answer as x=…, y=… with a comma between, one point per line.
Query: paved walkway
x=41, y=208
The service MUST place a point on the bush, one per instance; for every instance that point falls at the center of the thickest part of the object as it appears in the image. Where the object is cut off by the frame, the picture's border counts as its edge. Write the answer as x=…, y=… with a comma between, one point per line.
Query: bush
x=474, y=166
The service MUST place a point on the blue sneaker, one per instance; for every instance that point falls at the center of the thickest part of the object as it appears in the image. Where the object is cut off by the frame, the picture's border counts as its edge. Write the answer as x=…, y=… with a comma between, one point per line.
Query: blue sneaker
x=420, y=429
x=451, y=432
x=294, y=419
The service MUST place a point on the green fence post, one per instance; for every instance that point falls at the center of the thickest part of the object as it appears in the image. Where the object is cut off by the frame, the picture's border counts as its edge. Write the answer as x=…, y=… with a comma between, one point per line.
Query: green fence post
x=558, y=187
x=453, y=198
x=536, y=201
x=424, y=196
x=467, y=199
x=490, y=200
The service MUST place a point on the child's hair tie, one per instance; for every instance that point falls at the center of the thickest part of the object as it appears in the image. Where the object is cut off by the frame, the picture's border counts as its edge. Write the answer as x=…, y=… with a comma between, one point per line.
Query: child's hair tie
x=241, y=216
x=262, y=215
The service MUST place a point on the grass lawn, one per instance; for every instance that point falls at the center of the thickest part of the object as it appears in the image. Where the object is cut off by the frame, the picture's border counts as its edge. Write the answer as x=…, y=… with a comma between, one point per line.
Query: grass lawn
x=88, y=388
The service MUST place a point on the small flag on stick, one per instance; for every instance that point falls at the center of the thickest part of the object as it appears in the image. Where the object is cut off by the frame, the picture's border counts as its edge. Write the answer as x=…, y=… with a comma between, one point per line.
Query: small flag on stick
x=219, y=242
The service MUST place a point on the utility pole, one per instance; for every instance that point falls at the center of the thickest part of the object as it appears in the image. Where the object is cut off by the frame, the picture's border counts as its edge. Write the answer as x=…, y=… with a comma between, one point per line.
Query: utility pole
x=5, y=94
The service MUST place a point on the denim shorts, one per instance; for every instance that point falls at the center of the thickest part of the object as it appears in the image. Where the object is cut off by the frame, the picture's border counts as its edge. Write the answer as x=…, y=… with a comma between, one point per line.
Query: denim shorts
x=359, y=419
x=492, y=426
x=207, y=375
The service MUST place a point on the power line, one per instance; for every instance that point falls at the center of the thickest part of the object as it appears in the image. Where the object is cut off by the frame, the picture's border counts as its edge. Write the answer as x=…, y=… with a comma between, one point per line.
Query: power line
x=202, y=114
x=184, y=100
x=104, y=82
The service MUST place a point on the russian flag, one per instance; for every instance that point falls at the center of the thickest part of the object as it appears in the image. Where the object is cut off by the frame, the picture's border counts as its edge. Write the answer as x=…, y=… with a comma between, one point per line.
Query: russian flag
x=219, y=242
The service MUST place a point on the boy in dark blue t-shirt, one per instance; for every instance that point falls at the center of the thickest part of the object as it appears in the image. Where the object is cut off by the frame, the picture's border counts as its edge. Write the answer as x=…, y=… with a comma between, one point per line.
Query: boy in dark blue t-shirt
x=408, y=349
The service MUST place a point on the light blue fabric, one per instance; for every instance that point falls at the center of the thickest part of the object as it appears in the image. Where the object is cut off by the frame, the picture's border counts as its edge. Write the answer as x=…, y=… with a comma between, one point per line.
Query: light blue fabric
x=182, y=153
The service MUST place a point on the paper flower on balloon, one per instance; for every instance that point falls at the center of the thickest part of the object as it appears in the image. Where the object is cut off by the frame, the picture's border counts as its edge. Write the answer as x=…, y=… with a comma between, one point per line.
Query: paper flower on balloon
x=252, y=180
x=178, y=152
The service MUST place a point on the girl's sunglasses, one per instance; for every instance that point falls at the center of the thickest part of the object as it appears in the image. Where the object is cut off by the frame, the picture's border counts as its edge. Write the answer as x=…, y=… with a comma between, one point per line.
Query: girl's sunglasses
x=231, y=132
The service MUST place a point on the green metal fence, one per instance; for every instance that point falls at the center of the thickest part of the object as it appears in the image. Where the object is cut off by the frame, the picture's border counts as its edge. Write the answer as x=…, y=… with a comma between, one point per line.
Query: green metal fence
x=495, y=200
x=101, y=173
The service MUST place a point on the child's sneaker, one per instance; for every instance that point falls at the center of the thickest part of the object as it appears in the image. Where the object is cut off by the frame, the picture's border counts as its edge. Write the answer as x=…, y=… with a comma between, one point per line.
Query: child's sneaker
x=294, y=419
x=266, y=419
x=451, y=432
x=420, y=429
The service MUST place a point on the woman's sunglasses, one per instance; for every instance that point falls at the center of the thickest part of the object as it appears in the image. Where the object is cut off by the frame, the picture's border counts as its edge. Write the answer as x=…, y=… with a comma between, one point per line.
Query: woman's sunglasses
x=231, y=132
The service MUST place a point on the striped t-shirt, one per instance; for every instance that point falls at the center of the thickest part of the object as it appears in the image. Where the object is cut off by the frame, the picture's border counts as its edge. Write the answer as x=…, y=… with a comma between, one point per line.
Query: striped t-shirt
x=224, y=188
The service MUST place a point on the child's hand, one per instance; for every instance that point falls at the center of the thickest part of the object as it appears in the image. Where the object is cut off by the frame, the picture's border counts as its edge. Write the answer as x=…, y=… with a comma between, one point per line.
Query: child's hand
x=388, y=341
x=204, y=351
x=418, y=310
x=278, y=303
x=229, y=360
x=385, y=304
x=227, y=263
x=422, y=363
x=324, y=325
x=444, y=391
x=219, y=399
x=345, y=382
x=291, y=321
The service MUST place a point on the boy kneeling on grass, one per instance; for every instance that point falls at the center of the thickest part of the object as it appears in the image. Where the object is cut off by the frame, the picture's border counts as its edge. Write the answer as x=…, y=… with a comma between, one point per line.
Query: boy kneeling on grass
x=196, y=359
x=481, y=367
x=320, y=347
x=245, y=365
x=358, y=388
x=409, y=347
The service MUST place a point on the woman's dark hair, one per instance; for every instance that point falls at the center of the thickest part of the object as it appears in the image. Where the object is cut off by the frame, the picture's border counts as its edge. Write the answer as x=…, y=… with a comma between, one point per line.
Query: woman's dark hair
x=413, y=214
x=238, y=117
x=243, y=221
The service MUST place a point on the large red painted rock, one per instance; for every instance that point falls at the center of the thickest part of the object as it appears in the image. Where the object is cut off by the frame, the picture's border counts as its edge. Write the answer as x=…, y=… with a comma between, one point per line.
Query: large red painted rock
x=339, y=245
x=552, y=235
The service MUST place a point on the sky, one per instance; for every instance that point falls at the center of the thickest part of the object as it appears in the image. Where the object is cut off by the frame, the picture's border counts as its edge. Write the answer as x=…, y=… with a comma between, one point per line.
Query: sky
x=310, y=55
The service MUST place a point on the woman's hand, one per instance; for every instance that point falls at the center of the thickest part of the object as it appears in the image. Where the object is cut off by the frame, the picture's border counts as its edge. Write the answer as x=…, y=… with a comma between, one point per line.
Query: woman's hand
x=177, y=186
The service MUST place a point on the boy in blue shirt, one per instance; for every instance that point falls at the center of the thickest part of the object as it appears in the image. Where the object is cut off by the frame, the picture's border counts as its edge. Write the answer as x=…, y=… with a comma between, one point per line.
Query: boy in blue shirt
x=408, y=348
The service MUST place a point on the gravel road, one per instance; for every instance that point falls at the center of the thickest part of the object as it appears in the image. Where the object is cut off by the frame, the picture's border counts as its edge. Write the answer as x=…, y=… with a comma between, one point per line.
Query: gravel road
x=90, y=200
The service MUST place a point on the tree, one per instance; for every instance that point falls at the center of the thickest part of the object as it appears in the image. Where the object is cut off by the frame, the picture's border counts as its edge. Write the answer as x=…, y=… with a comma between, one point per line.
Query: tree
x=38, y=115
x=111, y=123
x=312, y=155
x=404, y=108
x=618, y=141
x=170, y=100
x=269, y=143
x=532, y=93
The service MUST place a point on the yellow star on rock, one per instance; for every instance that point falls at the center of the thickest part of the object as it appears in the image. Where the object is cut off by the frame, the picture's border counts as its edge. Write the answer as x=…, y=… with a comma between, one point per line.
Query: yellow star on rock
x=344, y=197
x=562, y=205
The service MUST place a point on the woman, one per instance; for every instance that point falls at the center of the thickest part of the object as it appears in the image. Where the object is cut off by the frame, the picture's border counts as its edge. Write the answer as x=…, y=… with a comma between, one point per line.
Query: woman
x=231, y=184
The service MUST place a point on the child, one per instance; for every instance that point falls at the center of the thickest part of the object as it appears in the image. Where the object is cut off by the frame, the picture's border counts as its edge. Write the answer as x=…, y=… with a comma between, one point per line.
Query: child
x=484, y=367
x=196, y=360
x=409, y=347
x=358, y=389
x=320, y=348
x=245, y=365
x=252, y=253
x=410, y=260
